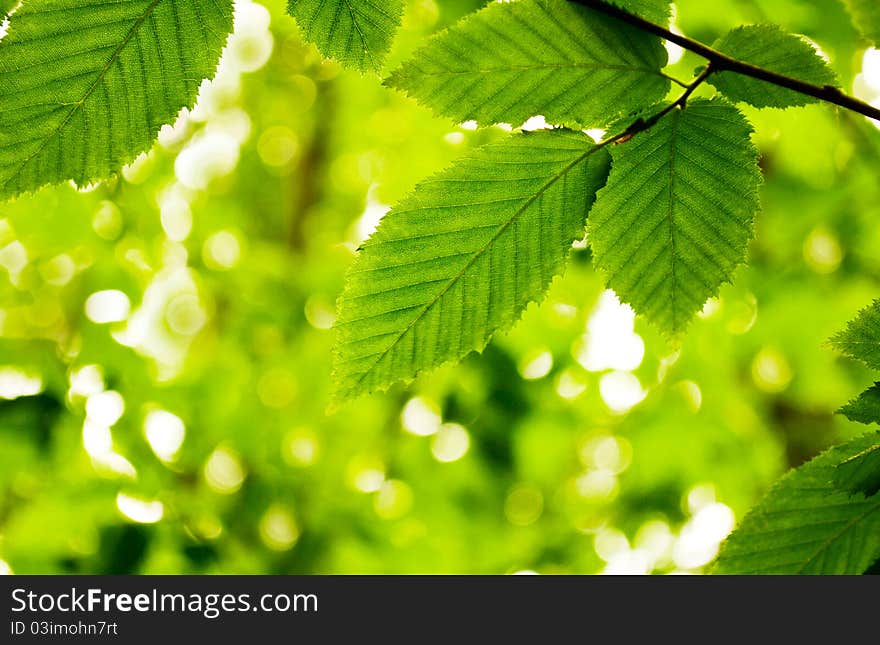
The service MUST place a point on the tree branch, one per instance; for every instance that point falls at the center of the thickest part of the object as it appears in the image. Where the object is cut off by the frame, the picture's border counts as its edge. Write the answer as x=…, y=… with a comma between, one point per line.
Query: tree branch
x=724, y=63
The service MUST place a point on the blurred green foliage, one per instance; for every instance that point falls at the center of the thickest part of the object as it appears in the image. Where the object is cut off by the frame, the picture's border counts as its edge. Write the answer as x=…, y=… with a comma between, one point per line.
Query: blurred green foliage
x=165, y=346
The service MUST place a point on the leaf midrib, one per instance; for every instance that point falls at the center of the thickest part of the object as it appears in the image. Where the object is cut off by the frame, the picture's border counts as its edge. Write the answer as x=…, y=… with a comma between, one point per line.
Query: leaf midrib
x=77, y=105
x=479, y=252
x=860, y=455
x=670, y=215
x=360, y=33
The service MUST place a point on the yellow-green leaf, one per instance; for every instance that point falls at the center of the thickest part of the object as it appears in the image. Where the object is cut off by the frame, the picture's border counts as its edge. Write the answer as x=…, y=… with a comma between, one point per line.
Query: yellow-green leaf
x=84, y=88
x=462, y=257
x=512, y=61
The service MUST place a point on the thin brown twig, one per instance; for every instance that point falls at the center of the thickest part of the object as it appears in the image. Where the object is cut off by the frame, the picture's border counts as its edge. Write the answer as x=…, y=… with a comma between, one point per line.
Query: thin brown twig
x=724, y=63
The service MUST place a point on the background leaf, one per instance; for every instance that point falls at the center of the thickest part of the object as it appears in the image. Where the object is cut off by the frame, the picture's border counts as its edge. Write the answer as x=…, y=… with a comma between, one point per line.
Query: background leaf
x=807, y=525
x=357, y=33
x=861, y=339
x=85, y=88
x=676, y=216
x=770, y=47
x=463, y=255
x=512, y=61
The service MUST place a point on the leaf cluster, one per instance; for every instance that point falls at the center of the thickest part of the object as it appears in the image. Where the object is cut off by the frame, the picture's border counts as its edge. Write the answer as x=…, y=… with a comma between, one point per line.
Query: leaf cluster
x=667, y=227
x=824, y=517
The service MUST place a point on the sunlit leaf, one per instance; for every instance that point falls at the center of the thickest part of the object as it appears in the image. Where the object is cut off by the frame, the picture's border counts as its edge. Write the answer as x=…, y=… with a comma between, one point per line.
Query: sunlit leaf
x=768, y=46
x=676, y=216
x=84, y=88
x=463, y=255
x=512, y=61
x=357, y=33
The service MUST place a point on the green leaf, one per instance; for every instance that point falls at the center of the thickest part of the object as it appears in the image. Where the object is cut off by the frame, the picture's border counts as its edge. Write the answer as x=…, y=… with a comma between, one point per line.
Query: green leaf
x=866, y=16
x=861, y=339
x=84, y=88
x=512, y=61
x=866, y=408
x=770, y=47
x=807, y=525
x=463, y=256
x=677, y=214
x=357, y=33
x=6, y=6
x=656, y=11
x=860, y=473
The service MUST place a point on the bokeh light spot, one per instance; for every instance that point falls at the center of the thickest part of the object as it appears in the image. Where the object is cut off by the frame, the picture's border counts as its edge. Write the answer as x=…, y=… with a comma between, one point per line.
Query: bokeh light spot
x=822, y=251
x=277, y=146
x=222, y=250
x=451, y=443
x=536, y=365
x=15, y=383
x=393, y=500
x=301, y=447
x=610, y=341
x=524, y=505
x=86, y=380
x=105, y=408
x=278, y=529
x=165, y=433
x=139, y=510
x=366, y=474
x=570, y=384
x=420, y=417
x=319, y=313
x=185, y=314
x=621, y=391
x=224, y=471
x=107, y=221
x=771, y=370
x=108, y=306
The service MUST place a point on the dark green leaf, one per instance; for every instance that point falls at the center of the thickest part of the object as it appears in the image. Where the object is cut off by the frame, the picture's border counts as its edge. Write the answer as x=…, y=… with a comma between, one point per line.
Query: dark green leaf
x=860, y=473
x=866, y=408
x=806, y=525
x=768, y=46
x=676, y=216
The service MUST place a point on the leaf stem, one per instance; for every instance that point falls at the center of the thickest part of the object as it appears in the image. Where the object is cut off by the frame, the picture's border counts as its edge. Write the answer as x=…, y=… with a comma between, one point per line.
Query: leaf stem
x=689, y=89
x=641, y=124
x=724, y=63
